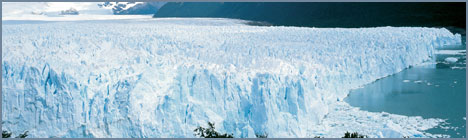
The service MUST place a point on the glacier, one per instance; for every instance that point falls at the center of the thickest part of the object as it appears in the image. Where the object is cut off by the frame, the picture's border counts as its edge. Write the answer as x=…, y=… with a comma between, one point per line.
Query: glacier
x=164, y=77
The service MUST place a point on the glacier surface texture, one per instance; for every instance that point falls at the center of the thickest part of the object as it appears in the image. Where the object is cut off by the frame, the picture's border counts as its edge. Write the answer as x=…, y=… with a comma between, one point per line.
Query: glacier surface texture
x=164, y=77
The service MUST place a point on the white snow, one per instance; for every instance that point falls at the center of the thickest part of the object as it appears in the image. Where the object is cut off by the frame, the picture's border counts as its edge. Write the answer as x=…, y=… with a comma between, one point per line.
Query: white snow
x=129, y=5
x=451, y=59
x=164, y=77
x=12, y=10
x=50, y=11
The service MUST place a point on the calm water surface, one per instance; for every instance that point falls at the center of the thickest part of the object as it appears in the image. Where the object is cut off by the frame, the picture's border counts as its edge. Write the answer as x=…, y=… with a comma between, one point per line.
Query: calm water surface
x=431, y=91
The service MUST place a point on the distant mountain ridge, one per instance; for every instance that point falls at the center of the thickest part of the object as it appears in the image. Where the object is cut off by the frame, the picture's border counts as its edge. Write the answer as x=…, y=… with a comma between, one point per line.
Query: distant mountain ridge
x=326, y=14
x=132, y=8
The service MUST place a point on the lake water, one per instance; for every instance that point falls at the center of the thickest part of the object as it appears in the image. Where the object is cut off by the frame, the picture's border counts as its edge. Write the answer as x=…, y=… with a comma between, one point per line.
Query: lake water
x=430, y=90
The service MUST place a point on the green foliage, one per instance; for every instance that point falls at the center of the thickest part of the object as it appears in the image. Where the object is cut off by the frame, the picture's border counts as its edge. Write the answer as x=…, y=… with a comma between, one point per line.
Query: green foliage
x=24, y=135
x=353, y=135
x=6, y=134
x=210, y=132
x=265, y=135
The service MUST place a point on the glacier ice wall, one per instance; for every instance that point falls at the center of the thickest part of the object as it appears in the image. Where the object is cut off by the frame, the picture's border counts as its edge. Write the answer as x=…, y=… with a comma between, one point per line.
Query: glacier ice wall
x=164, y=77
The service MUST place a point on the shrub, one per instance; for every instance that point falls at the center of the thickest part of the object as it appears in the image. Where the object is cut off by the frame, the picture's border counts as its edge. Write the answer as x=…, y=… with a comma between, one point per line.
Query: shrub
x=210, y=132
x=6, y=134
x=24, y=135
x=353, y=135
x=265, y=135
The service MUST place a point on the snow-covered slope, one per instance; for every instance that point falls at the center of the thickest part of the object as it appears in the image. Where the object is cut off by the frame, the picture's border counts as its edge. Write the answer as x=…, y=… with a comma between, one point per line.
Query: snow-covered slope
x=87, y=10
x=133, y=8
x=164, y=77
x=57, y=11
x=28, y=9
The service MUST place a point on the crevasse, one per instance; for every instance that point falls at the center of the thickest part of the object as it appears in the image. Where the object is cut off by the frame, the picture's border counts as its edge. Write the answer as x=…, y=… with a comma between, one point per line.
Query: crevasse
x=164, y=77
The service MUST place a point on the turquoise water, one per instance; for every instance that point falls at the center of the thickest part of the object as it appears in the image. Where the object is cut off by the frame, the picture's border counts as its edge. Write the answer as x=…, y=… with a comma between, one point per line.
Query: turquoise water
x=431, y=91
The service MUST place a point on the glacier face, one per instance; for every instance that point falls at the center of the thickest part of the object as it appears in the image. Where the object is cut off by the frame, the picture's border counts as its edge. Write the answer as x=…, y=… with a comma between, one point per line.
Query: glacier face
x=164, y=77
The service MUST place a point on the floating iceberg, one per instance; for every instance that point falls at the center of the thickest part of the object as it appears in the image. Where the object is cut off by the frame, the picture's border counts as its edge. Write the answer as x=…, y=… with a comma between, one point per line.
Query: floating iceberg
x=451, y=52
x=451, y=59
x=164, y=77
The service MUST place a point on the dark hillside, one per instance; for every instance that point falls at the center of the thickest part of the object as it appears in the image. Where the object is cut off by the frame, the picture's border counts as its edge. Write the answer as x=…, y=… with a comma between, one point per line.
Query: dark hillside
x=326, y=14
